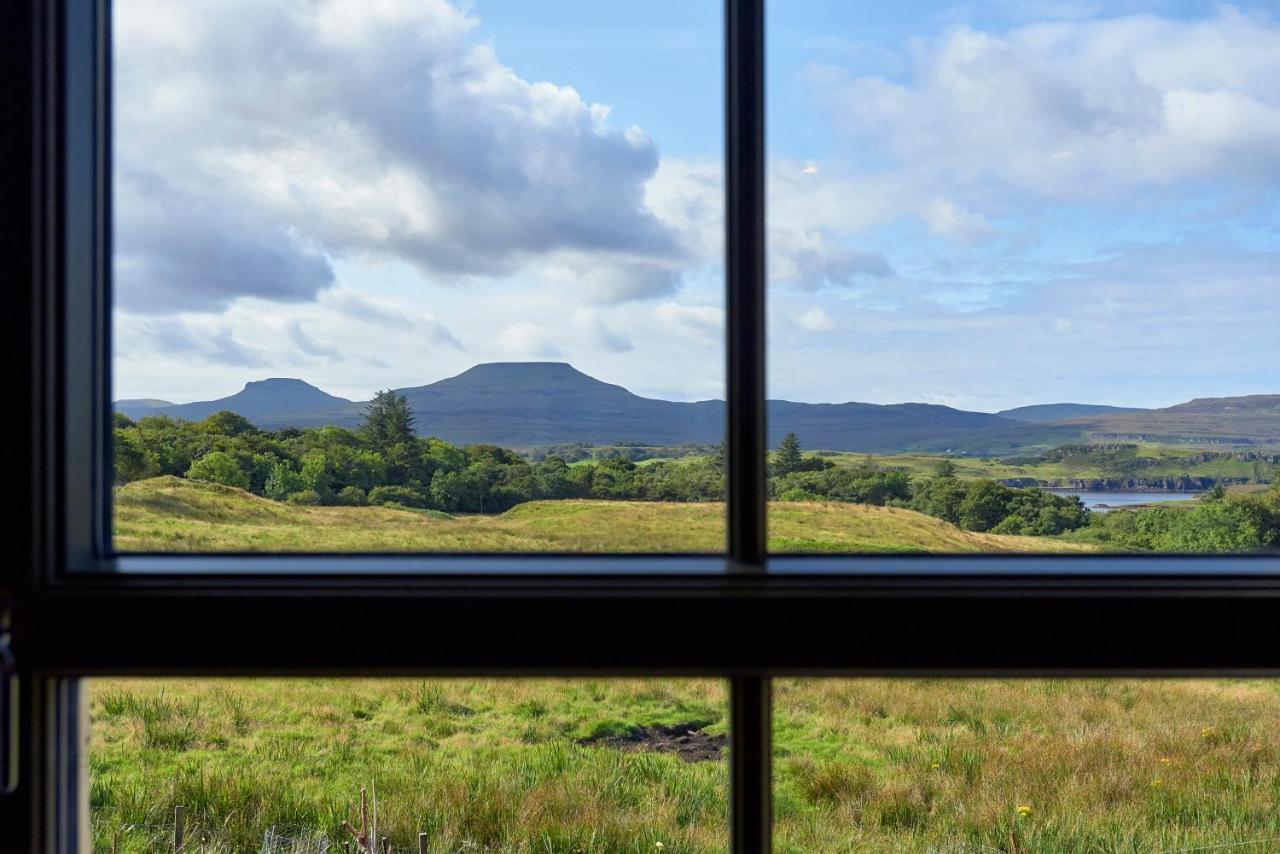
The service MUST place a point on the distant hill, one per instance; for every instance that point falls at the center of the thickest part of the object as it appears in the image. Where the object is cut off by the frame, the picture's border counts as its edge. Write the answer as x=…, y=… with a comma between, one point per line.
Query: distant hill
x=139, y=404
x=1252, y=421
x=528, y=404
x=1043, y=413
x=269, y=404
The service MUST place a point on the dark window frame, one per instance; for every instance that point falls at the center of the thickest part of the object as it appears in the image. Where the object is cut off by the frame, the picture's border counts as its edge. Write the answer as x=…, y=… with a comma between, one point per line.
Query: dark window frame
x=72, y=613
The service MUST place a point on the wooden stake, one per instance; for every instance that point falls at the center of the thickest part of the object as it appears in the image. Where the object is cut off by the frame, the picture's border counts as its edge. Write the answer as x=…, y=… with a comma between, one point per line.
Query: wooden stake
x=422, y=843
x=179, y=828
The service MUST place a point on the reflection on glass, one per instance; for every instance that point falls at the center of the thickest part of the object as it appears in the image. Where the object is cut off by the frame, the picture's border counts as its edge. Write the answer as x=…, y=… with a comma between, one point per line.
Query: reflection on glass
x=1024, y=254
x=1030, y=765
x=475, y=765
x=434, y=276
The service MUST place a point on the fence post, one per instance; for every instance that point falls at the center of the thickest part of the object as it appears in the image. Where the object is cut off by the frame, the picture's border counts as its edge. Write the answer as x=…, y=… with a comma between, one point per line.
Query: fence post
x=422, y=843
x=179, y=830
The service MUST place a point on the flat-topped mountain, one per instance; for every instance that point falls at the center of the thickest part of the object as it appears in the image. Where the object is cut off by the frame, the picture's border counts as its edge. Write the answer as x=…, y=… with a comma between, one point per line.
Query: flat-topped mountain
x=527, y=404
x=269, y=404
x=1253, y=404
x=1044, y=413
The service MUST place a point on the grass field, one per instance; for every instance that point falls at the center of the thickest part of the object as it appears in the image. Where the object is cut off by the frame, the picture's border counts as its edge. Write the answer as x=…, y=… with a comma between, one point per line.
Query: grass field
x=861, y=766
x=170, y=514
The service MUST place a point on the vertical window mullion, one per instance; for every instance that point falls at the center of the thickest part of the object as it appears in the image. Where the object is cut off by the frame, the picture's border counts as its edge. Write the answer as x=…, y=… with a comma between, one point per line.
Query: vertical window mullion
x=750, y=772
x=744, y=277
x=751, y=824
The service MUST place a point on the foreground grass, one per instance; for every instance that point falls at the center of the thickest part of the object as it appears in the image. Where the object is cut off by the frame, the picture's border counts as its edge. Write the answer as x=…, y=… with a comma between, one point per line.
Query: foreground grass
x=479, y=765
x=865, y=765
x=170, y=514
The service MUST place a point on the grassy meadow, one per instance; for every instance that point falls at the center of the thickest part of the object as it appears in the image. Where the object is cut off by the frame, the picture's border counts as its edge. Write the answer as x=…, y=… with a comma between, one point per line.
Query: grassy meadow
x=169, y=514
x=610, y=765
x=860, y=765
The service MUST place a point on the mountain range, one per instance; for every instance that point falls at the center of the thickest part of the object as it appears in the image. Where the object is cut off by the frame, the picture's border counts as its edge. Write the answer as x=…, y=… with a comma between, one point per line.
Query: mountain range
x=528, y=404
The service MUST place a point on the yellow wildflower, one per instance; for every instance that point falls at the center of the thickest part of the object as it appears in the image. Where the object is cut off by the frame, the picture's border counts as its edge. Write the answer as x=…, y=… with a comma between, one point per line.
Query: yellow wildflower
x=1024, y=810
x=1157, y=783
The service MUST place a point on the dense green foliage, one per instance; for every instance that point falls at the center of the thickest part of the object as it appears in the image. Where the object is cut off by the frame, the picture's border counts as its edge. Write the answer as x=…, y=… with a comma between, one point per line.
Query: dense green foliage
x=1218, y=523
x=385, y=463
x=980, y=505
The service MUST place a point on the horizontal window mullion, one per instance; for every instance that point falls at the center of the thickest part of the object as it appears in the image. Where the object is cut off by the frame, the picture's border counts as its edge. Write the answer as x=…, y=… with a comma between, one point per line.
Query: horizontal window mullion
x=665, y=626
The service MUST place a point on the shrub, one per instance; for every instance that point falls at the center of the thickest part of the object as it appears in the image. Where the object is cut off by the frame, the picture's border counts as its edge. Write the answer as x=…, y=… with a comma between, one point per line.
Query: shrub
x=305, y=496
x=798, y=494
x=352, y=496
x=218, y=467
x=396, y=495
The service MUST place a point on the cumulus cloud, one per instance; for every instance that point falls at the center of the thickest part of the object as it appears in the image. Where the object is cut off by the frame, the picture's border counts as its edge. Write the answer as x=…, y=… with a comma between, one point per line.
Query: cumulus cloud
x=1080, y=109
x=256, y=142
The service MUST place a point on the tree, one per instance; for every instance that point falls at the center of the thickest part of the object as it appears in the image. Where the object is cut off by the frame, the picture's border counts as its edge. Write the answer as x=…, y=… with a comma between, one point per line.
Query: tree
x=218, y=467
x=787, y=458
x=282, y=482
x=228, y=423
x=133, y=461
x=944, y=468
x=719, y=456
x=388, y=421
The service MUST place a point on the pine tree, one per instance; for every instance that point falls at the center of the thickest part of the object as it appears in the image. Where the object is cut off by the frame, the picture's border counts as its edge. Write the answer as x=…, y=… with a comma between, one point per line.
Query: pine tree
x=788, y=458
x=388, y=420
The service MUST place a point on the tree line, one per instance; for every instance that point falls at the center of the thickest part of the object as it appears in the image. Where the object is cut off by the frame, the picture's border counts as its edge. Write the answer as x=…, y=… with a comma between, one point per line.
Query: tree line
x=385, y=462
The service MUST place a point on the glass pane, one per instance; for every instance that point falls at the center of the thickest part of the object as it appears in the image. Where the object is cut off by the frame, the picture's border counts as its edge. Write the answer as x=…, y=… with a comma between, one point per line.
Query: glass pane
x=1034, y=765
x=434, y=276
x=1022, y=277
x=277, y=765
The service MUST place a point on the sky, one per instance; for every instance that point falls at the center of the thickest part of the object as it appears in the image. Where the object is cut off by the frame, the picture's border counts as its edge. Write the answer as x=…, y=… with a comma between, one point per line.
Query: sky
x=981, y=205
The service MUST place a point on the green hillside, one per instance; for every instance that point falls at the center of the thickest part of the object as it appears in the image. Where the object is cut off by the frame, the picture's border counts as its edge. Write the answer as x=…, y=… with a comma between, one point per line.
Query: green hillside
x=169, y=514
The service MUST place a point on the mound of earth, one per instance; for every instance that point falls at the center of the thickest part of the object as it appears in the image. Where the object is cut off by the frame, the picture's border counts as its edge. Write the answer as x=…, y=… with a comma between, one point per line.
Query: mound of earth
x=687, y=741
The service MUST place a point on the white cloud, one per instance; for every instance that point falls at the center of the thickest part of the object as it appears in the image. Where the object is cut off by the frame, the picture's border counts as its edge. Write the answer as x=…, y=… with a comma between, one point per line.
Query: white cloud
x=700, y=320
x=310, y=346
x=1080, y=109
x=258, y=142
x=600, y=334
x=528, y=340
x=954, y=222
x=815, y=319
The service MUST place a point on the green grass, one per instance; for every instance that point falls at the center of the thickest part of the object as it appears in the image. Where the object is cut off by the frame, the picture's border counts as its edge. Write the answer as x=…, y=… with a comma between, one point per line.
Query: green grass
x=860, y=765
x=494, y=765
x=170, y=514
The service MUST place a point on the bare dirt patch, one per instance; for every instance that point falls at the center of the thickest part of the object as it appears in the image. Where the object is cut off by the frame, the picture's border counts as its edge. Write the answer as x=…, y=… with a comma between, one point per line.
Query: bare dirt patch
x=687, y=741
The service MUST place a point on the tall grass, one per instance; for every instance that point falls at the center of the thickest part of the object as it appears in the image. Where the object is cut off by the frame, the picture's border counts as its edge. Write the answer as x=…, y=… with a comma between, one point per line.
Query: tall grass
x=1070, y=766
x=478, y=765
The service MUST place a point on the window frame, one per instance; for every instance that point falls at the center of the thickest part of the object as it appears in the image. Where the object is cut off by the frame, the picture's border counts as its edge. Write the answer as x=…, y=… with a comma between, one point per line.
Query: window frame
x=76, y=610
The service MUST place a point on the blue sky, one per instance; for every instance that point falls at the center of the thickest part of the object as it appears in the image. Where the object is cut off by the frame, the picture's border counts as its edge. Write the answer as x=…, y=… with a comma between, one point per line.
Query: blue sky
x=983, y=205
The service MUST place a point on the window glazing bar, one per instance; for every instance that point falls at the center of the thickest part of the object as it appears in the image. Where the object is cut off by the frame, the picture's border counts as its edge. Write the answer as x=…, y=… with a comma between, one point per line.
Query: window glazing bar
x=744, y=276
